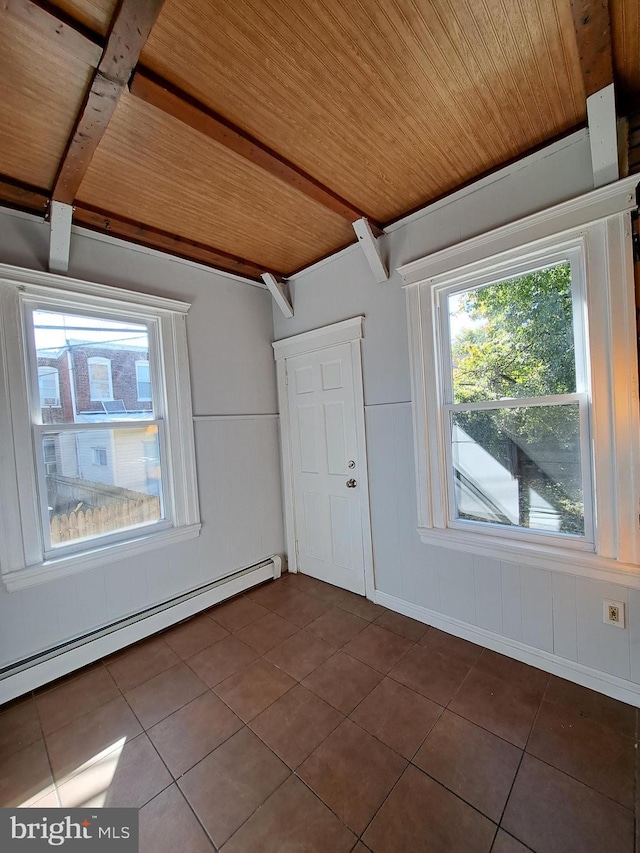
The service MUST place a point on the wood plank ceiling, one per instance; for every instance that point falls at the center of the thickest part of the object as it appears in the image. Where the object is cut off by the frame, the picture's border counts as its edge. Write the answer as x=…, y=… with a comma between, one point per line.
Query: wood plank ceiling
x=256, y=131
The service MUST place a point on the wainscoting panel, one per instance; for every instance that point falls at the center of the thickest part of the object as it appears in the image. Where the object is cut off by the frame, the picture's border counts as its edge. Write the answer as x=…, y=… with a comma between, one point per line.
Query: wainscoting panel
x=240, y=505
x=551, y=612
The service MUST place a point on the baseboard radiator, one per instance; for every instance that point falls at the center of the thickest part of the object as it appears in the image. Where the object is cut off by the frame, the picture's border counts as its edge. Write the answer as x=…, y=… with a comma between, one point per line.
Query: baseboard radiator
x=25, y=675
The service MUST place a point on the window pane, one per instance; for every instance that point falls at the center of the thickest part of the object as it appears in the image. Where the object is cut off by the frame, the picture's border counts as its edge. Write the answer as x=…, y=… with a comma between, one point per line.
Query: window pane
x=48, y=385
x=514, y=338
x=94, y=362
x=144, y=380
x=101, y=481
x=100, y=383
x=519, y=467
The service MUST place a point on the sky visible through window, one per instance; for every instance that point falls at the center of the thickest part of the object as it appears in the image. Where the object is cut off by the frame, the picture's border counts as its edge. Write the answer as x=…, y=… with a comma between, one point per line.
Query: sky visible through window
x=54, y=330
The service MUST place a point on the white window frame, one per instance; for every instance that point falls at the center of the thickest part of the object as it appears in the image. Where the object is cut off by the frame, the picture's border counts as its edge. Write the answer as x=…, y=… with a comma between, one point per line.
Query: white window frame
x=96, y=453
x=142, y=362
x=100, y=361
x=596, y=227
x=109, y=422
x=51, y=440
x=572, y=251
x=24, y=558
x=55, y=373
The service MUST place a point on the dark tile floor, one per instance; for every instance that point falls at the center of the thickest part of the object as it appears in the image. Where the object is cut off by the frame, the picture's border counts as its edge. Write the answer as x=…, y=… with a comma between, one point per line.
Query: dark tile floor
x=301, y=718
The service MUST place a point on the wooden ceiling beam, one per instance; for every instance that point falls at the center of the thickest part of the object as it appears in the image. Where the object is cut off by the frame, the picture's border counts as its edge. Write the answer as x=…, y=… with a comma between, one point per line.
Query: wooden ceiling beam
x=592, y=26
x=174, y=102
x=129, y=31
x=53, y=24
x=154, y=238
x=114, y=66
x=22, y=196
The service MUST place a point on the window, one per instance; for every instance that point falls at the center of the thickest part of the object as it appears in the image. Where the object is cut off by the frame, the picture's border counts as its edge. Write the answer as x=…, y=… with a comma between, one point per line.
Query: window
x=85, y=504
x=99, y=455
x=50, y=457
x=124, y=480
x=143, y=380
x=515, y=404
x=49, y=385
x=526, y=446
x=100, y=381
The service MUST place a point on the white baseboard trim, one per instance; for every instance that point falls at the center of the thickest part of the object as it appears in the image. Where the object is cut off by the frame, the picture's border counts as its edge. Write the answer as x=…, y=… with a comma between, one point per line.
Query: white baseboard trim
x=49, y=666
x=602, y=682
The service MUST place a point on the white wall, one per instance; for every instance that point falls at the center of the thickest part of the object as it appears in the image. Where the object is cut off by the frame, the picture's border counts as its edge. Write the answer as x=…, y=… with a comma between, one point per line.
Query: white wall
x=546, y=612
x=229, y=331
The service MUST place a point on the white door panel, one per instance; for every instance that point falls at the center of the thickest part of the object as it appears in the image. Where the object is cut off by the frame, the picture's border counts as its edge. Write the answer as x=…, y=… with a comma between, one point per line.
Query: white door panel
x=331, y=375
x=334, y=428
x=328, y=514
x=308, y=439
x=304, y=379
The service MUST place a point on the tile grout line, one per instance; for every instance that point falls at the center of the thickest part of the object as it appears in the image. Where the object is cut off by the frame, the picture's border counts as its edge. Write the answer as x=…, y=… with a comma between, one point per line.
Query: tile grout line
x=190, y=807
x=145, y=732
x=46, y=749
x=389, y=792
x=344, y=717
x=522, y=755
x=319, y=798
x=558, y=769
x=293, y=772
x=266, y=799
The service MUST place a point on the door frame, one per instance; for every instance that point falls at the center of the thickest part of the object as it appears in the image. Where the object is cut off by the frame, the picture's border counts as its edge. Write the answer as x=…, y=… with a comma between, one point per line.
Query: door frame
x=347, y=331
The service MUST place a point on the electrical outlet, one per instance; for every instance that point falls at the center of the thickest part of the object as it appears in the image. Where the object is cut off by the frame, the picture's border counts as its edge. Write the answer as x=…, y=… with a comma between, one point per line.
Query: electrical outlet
x=613, y=613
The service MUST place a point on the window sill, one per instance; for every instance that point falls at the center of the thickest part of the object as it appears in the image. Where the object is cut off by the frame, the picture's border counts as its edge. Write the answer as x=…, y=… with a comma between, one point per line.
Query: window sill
x=551, y=557
x=50, y=570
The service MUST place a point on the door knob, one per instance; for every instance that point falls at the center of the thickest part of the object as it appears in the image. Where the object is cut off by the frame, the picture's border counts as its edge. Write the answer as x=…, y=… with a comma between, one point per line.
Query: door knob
x=351, y=484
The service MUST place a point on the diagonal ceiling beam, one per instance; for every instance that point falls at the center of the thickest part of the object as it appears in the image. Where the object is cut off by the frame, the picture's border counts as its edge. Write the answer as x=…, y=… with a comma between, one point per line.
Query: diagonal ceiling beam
x=129, y=31
x=162, y=95
x=371, y=249
x=593, y=36
x=278, y=291
x=50, y=22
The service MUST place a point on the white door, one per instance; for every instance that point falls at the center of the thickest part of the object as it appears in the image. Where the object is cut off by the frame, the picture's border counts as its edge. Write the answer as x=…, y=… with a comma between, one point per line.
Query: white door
x=328, y=477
